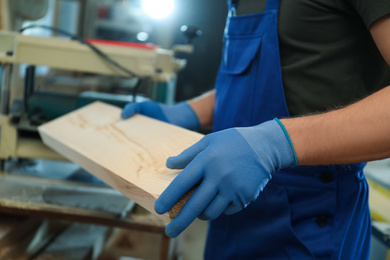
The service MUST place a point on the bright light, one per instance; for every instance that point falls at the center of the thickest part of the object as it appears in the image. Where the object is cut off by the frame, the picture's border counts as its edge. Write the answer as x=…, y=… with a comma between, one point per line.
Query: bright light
x=142, y=36
x=158, y=9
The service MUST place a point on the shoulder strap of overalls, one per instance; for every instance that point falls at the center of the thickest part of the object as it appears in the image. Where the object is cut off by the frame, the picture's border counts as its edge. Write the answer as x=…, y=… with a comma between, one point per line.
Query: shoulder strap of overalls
x=232, y=7
x=272, y=5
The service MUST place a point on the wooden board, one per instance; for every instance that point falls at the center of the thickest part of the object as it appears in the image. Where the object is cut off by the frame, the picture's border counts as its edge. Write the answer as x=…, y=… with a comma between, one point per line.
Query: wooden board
x=129, y=155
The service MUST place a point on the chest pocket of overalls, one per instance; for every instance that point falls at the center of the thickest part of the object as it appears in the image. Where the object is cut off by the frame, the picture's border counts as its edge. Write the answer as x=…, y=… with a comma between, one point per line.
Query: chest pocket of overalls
x=249, y=83
x=236, y=81
x=239, y=52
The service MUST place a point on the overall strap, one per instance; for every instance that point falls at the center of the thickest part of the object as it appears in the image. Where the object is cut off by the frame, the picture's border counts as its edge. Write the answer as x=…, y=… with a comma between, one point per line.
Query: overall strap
x=232, y=4
x=272, y=5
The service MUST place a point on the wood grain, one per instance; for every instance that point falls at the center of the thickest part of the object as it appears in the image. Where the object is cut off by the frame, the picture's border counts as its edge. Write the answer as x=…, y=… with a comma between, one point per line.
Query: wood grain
x=129, y=155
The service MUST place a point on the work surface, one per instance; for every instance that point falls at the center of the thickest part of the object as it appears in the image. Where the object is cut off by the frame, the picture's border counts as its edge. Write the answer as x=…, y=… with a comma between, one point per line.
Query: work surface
x=129, y=155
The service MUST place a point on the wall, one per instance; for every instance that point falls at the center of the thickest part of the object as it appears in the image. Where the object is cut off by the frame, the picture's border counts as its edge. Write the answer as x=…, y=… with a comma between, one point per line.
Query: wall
x=199, y=75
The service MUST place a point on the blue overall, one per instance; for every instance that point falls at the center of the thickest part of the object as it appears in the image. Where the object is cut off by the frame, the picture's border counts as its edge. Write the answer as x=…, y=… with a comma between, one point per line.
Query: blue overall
x=304, y=212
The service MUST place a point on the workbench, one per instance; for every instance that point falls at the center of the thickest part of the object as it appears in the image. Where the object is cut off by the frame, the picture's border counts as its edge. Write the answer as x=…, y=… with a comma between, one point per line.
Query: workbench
x=66, y=218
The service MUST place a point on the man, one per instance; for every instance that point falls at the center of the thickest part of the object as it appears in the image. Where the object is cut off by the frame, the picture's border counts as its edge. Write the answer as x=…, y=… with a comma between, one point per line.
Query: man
x=256, y=182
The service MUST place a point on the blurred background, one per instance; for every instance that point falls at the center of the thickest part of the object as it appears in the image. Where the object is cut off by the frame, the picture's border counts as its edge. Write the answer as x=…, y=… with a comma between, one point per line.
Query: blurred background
x=59, y=55
x=139, y=21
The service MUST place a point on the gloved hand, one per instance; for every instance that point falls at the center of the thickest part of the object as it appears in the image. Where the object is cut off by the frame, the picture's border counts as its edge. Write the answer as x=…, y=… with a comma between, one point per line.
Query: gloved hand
x=232, y=166
x=180, y=114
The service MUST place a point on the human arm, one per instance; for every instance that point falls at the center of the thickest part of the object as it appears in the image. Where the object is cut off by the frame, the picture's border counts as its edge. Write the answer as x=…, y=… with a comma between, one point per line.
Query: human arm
x=359, y=132
x=192, y=114
x=203, y=107
x=229, y=169
x=222, y=163
x=356, y=133
x=380, y=31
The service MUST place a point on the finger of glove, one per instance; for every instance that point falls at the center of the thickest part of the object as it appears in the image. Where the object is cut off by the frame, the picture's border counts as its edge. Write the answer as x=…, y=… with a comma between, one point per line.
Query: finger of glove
x=191, y=210
x=215, y=208
x=183, y=159
x=233, y=208
x=183, y=182
x=129, y=110
x=151, y=109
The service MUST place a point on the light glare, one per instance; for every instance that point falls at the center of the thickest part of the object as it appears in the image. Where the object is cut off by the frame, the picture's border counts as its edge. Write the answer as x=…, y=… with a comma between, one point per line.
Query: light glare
x=142, y=36
x=158, y=9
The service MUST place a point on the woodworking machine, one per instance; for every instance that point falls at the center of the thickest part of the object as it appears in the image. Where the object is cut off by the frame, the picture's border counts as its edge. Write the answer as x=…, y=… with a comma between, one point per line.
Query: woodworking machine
x=66, y=199
x=56, y=197
x=150, y=62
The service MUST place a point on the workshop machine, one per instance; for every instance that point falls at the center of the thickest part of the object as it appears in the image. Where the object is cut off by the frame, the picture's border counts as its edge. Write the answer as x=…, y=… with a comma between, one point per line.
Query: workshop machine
x=51, y=208
x=55, y=199
x=146, y=63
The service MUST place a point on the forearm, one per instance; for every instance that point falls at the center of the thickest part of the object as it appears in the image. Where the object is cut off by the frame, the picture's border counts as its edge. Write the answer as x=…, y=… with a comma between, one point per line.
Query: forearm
x=203, y=107
x=357, y=133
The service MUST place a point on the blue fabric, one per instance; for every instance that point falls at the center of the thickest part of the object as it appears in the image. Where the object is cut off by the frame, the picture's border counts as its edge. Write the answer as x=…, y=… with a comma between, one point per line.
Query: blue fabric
x=305, y=212
x=231, y=167
x=250, y=56
x=282, y=222
x=180, y=114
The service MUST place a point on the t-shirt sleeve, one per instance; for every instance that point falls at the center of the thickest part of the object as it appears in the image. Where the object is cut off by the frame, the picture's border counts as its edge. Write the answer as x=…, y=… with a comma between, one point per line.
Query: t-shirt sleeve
x=371, y=10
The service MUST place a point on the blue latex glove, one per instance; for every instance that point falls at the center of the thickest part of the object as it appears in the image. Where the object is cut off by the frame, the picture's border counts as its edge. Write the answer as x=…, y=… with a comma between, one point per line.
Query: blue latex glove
x=180, y=114
x=232, y=166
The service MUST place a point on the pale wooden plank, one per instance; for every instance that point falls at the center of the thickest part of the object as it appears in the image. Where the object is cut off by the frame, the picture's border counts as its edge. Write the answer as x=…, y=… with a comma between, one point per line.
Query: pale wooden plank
x=129, y=155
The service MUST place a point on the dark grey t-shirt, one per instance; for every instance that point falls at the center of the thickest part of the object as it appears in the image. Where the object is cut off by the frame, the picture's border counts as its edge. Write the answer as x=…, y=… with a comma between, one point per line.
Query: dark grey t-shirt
x=328, y=56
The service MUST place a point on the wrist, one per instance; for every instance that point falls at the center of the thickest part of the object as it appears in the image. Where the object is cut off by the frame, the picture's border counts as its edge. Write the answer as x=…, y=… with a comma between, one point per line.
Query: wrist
x=289, y=141
x=203, y=107
x=181, y=114
x=270, y=143
x=192, y=120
